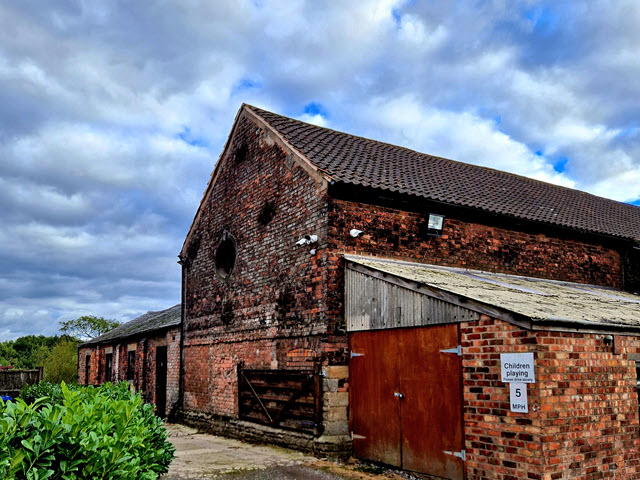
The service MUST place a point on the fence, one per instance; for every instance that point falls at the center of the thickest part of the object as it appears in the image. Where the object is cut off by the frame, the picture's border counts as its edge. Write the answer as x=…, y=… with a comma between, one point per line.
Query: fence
x=282, y=398
x=11, y=381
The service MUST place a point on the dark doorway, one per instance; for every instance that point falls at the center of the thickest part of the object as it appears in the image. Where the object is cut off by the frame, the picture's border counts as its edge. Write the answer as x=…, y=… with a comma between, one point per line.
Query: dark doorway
x=406, y=399
x=108, y=367
x=161, y=381
x=87, y=369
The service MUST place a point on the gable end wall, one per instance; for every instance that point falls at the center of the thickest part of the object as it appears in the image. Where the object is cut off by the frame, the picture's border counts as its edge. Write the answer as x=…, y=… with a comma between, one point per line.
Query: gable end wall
x=272, y=306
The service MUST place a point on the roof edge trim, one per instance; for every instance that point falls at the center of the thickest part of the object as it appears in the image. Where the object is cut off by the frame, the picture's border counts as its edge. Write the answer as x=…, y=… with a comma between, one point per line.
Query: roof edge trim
x=114, y=340
x=313, y=171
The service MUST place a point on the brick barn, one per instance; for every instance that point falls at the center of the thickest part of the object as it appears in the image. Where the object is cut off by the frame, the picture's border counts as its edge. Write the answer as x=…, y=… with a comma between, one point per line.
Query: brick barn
x=343, y=294
x=144, y=351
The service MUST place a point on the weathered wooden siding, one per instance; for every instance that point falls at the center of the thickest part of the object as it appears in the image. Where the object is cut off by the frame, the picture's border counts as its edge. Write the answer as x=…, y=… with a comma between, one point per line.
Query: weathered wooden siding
x=12, y=381
x=373, y=304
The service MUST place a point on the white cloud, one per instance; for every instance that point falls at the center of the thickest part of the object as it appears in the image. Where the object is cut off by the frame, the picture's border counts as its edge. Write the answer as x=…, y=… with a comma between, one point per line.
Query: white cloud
x=111, y=119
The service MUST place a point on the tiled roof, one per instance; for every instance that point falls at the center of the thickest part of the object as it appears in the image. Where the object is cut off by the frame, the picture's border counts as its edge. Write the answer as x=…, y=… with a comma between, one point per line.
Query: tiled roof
x=360, y=161
x=148, y=322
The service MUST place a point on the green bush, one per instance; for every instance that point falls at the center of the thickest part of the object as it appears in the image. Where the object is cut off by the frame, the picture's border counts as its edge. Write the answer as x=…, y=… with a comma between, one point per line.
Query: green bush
x=89, y=433
x=52, y=391
x=61, y=365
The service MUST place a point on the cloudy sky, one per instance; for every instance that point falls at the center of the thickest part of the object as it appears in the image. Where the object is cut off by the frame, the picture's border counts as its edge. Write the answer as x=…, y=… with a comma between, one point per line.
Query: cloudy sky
x=113, y=114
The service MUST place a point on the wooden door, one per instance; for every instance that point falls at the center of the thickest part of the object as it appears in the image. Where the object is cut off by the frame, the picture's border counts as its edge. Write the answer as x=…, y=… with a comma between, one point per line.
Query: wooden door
x=431, y=409
x=374, y=410
x=405, y=399
x=161, y=381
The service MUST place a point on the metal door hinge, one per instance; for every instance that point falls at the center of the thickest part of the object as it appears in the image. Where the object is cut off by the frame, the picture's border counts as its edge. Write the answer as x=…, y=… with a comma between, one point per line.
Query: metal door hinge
x=354, y=354
x=461, y=454
x=457, y=350
x=355, y=436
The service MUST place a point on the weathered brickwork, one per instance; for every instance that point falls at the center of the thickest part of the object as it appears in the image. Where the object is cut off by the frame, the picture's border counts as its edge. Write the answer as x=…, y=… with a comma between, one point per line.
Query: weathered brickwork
x=270, y=312
x=583, y=409
x=145, y=367
x=274, y=282
x=399, y=234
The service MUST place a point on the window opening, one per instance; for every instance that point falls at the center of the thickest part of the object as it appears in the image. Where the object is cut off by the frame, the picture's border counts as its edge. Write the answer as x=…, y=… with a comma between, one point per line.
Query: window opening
x=108, y=365
x=87, y=369
x=226, y=255
x=131, y=364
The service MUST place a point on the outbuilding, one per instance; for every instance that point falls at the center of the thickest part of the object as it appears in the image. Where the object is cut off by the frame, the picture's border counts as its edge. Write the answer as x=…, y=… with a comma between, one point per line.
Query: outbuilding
x=455, y=372
x=144, y=352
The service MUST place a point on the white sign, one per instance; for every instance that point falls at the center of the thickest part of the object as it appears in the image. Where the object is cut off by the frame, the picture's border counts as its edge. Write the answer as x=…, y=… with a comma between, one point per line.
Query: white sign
x=517, y=367
x=518, y=397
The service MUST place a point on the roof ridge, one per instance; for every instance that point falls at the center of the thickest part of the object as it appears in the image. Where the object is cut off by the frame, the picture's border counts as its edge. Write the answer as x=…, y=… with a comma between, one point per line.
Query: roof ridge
x=436, y=157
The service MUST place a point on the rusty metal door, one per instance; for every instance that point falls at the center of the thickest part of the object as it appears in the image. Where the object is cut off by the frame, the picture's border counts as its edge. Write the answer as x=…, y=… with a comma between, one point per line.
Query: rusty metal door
x=405, y=397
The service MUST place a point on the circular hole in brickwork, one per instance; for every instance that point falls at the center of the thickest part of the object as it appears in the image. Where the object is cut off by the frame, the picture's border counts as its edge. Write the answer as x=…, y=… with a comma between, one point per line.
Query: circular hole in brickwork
x=225, y=255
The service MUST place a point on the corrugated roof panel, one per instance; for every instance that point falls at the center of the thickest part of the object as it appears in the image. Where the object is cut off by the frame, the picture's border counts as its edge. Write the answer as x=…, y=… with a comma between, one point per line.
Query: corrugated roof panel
x=538, y=299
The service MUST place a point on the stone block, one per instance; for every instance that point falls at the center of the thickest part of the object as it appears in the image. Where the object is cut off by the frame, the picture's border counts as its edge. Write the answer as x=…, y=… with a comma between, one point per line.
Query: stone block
x=337, y=399
x=330, y=384
x=339, y=372
x=336, y=428
x=334, y=414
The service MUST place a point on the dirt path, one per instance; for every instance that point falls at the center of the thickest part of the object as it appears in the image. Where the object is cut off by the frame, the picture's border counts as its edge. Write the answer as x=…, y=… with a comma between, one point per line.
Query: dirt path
x=202, y=457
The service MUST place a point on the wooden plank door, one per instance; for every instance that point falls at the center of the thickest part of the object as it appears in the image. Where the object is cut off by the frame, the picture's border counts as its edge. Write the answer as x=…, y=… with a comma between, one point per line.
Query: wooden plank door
x=374, y=409
x=161, y=381
x=406, y=399
x=431, y=409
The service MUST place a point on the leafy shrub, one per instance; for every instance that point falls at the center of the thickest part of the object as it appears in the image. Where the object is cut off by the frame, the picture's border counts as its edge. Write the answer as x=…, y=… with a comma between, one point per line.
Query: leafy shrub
x=61, y=365
x=91, y=433
x=31, y=393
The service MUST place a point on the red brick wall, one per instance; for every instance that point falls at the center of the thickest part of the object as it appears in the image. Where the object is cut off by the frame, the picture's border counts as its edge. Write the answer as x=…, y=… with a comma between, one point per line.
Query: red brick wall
x=274, y=281
x=500, y=444
x=210, y=381
x=273, y=302
x=145, y=369
x=399, y=234
x=588, y=406
x=583, y=409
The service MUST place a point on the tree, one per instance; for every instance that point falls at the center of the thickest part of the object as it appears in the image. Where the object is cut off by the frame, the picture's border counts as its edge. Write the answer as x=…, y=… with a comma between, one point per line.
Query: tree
x=31, y=350
x=61, y=365
x=87, y=327
x=8, y=355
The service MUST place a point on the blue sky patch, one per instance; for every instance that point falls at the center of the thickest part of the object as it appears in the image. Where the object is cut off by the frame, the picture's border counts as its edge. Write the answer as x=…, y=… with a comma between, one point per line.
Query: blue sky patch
x=560, y=164
x=245, y=84
x=315, y=108
x=188, y=138
x=397, y=16
x=543, y=18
